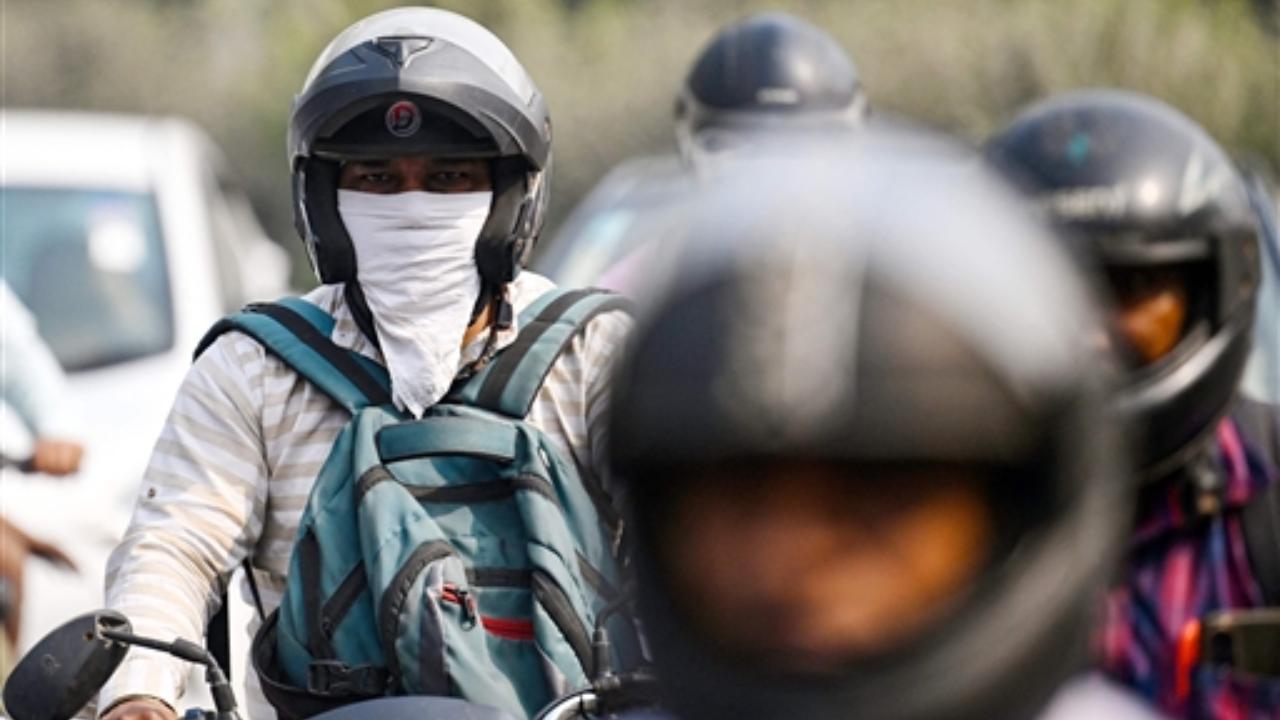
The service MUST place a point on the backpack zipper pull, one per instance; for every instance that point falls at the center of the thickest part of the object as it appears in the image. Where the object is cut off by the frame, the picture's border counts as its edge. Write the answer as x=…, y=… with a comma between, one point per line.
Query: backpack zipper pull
x=465, y=600
x=469, y=610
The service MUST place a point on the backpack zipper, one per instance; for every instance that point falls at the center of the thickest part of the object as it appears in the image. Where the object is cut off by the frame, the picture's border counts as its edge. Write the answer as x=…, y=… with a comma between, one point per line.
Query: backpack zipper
x=506, y=628
x=397, y=593
x=464, y=599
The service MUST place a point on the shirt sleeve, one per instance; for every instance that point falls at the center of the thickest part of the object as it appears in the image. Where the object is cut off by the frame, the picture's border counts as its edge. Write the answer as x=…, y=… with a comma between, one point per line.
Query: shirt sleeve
x=602, y=344
x=199, y=510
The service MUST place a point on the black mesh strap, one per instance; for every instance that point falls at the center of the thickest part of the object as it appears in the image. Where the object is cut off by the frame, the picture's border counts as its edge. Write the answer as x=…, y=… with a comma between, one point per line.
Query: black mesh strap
x=253, y=589
x=337, y=357
x=511, y=383
x=490, y=395
x=217, y=633
x=217, y=637
x=330, y=678
x=290, y=702
x=308, y=553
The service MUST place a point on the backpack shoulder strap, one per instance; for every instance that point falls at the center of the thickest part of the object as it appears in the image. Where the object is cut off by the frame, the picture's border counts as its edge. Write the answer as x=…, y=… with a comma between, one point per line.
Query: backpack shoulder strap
x=1259, y=423
x=297, y=332
x=509, y=384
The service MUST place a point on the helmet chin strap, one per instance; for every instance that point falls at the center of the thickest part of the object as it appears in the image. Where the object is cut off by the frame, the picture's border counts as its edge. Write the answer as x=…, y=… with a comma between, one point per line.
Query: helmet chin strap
x=360, y=312
x=497, y=297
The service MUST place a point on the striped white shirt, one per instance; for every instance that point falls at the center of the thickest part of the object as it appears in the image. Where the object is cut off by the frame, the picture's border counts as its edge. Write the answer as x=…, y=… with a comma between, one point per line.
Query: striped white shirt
x=233, y=467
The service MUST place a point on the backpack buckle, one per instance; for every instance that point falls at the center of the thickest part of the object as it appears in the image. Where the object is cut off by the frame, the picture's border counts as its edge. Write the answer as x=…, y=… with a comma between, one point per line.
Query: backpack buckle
x=334, y=678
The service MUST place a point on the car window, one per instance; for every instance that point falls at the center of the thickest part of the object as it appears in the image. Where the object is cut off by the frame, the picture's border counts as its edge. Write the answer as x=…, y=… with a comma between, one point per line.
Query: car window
x=90, y=265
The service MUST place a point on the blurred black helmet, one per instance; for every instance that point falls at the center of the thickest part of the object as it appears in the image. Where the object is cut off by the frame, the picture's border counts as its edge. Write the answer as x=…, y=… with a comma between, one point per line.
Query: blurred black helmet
x=891, y=304
x=770, y=71
x=1136, y=185
x=420, y=80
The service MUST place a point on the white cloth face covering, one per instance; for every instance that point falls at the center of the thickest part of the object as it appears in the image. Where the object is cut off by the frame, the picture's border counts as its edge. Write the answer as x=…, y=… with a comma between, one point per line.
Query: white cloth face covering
x=415, y=262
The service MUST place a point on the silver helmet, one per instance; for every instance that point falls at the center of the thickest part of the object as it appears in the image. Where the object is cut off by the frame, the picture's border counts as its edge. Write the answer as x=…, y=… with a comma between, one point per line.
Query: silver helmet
x=420, y=80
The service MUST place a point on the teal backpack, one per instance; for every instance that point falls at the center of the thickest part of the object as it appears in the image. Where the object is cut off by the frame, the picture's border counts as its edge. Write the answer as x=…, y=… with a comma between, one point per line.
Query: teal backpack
x=459, y=554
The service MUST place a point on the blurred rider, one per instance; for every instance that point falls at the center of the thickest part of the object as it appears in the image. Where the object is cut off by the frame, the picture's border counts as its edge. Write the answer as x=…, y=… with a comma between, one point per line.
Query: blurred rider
x=1153, y=206
x=768, y=79
x=870, y=466
x=768, y=73
x=34, y=387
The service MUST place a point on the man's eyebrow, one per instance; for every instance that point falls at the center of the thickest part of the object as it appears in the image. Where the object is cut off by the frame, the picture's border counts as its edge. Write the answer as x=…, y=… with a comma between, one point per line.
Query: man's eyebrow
x=369, y=163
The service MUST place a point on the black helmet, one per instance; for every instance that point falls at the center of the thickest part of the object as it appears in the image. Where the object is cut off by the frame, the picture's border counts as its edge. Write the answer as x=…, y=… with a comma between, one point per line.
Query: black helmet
x=881, y=305
x=768, y=71
x=420, y=80
x=1136, y=184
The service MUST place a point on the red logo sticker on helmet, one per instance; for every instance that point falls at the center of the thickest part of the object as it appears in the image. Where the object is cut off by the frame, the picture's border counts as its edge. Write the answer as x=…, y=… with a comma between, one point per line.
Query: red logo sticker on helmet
x=403, y=119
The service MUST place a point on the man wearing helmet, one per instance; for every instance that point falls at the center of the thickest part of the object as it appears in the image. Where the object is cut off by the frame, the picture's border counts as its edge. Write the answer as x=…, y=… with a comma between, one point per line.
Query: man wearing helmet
x=768, y=73
x=903, y=510
x=421, y=156
x=768, y=79
x=1153, y=205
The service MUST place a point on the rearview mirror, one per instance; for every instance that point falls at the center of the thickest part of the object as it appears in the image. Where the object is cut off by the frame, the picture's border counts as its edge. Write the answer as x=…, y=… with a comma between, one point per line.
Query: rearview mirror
x=66, y=668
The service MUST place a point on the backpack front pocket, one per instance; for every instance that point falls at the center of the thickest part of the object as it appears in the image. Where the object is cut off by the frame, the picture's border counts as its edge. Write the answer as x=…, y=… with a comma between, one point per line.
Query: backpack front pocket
x=413, y=642
x=493, y=629
x=468, y=632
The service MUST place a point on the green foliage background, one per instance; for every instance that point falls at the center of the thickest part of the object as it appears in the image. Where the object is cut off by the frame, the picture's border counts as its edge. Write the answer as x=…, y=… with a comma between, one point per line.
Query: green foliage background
x=611, y=68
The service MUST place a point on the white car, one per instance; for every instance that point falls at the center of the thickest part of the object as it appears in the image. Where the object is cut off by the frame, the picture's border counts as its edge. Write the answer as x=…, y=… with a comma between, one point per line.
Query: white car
x=127, y=238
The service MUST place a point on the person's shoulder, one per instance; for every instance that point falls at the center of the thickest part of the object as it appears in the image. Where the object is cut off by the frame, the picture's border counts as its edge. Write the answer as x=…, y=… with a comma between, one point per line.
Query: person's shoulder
x=528, y=287
x=1259, y=423
x=326, y=297
x=233, y=354
x=610, y=328
x=606, y=329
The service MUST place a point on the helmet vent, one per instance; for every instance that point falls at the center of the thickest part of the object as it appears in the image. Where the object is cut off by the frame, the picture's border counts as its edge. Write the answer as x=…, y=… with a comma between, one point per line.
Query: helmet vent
x=400, y=49
x=778, y=96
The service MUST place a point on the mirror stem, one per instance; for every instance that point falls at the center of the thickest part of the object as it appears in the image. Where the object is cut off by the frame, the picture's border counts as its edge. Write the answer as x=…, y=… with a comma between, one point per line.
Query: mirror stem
x=224, y=699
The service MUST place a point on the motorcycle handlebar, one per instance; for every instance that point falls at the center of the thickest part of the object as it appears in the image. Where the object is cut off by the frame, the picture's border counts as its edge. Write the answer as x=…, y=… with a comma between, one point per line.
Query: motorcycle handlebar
x=607, y=695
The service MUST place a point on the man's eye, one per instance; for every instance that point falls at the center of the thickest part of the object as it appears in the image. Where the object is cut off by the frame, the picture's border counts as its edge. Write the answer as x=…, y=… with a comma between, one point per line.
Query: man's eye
x=449, y=177
x=377, y=178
